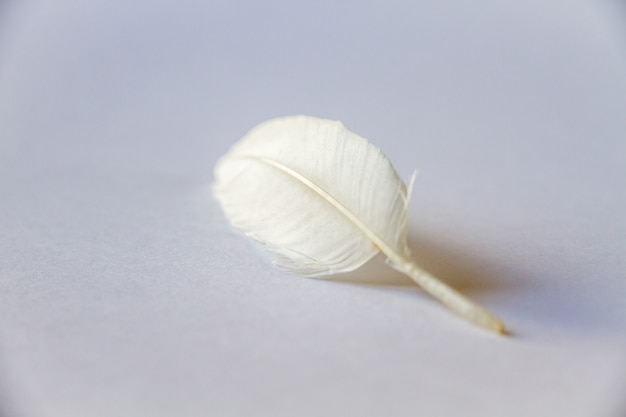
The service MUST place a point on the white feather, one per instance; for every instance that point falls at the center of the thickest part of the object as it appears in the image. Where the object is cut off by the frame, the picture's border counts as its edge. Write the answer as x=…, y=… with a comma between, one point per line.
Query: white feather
x=323, y=200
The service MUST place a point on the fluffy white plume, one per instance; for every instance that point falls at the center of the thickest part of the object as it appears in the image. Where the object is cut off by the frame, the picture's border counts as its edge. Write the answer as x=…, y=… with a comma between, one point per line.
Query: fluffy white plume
x=324, y=200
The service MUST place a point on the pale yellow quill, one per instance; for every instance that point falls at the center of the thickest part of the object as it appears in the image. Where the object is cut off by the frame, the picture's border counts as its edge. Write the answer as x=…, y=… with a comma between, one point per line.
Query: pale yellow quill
x=324, y=200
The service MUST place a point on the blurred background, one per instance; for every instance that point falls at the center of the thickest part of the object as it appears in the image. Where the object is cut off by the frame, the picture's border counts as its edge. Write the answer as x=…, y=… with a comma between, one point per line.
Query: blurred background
x=123, y=291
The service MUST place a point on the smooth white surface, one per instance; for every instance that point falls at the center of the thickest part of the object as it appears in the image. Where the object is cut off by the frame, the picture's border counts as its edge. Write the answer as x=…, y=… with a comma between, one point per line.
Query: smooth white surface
x=124, y=292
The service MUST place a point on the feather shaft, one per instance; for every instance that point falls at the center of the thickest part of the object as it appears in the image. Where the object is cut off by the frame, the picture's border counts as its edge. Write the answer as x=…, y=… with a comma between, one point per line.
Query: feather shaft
x=448, y=296
x=433, y=286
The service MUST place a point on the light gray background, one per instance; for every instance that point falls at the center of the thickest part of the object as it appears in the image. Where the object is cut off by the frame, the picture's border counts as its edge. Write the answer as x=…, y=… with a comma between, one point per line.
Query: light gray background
x=124, y=292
